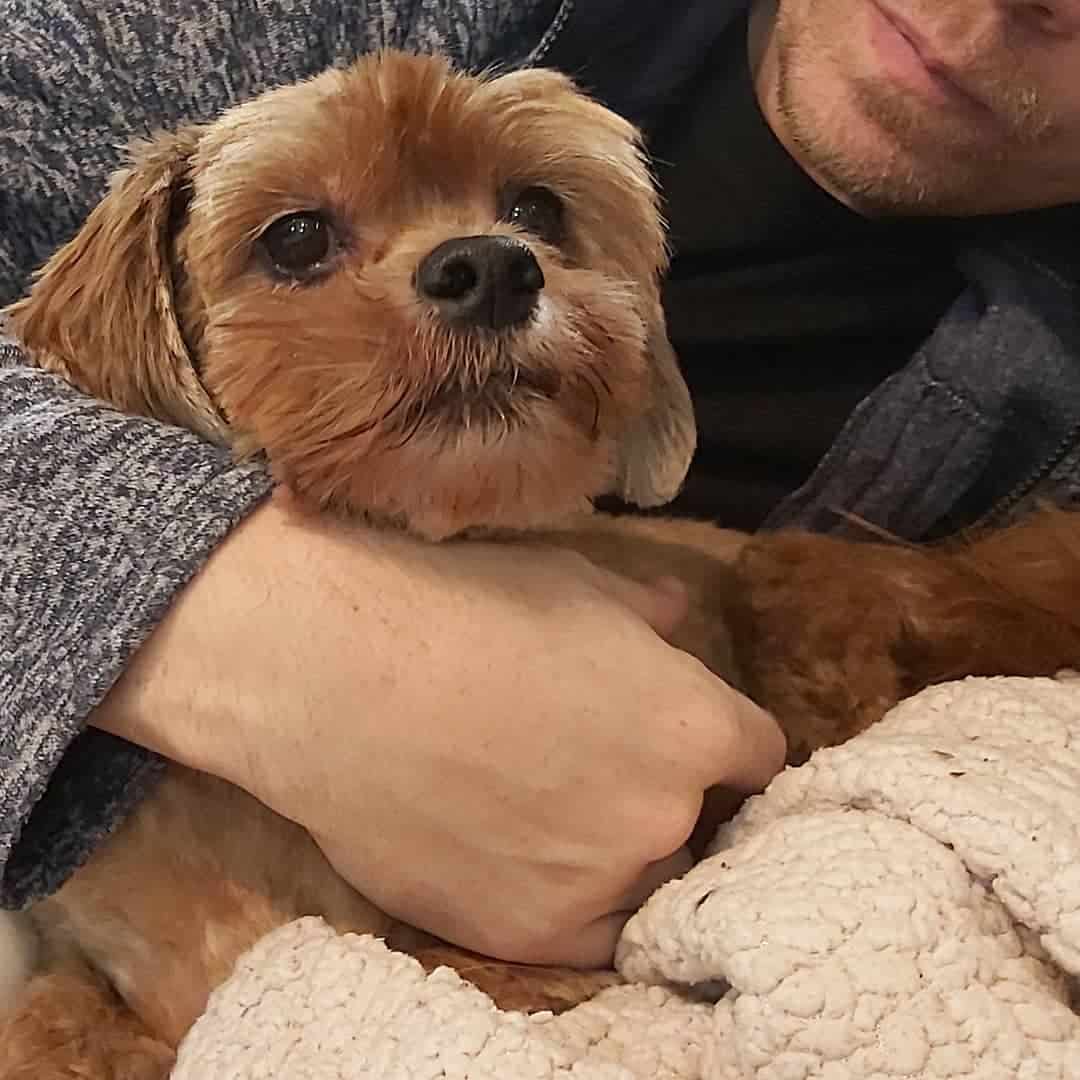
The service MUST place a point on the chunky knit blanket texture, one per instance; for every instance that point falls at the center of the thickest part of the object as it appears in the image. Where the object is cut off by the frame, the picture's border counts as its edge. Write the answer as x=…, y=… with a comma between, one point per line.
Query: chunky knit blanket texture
x=904, y=906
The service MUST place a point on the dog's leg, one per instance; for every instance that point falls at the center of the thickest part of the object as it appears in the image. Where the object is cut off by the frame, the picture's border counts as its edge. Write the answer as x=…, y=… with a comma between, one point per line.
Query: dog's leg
x=69, y=1026
x=161, y=914
x=830, y=634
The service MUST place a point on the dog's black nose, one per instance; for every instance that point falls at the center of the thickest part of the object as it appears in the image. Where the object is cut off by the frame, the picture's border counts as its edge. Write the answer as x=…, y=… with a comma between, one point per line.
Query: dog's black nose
x=486, y=281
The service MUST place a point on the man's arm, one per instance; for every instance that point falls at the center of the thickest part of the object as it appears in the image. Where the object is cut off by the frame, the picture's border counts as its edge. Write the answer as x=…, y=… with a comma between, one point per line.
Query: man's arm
x=103, y=520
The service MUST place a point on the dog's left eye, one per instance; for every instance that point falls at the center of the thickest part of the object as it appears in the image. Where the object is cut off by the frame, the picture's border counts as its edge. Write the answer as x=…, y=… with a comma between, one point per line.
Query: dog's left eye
x=538, y=211
x=299, y=243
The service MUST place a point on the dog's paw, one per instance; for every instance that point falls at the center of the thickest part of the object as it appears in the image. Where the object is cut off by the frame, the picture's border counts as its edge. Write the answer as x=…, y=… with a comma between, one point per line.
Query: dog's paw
x=826, y=631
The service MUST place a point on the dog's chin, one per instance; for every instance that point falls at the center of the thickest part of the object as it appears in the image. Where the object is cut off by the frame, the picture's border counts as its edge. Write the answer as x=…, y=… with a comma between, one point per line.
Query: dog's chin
x=472, y=468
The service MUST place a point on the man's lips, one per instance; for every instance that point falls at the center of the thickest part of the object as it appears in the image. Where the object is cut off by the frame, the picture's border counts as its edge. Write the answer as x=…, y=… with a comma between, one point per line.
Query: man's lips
x=945, y=77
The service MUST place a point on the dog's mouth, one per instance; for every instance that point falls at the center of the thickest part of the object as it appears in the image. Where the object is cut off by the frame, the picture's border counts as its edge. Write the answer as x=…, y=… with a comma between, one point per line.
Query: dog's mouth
x=502, y=396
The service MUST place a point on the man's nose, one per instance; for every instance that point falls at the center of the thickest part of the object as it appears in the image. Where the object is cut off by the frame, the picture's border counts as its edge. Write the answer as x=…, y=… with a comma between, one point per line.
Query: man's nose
x=1052, y=18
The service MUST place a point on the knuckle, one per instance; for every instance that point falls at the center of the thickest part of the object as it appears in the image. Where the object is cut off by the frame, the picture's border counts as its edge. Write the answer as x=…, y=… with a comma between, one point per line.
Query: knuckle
x=668, y=824
x=703, y=704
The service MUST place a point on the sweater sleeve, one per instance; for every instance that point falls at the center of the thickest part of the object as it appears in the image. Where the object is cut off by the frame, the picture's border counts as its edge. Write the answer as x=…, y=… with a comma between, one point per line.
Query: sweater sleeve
x=103, y=519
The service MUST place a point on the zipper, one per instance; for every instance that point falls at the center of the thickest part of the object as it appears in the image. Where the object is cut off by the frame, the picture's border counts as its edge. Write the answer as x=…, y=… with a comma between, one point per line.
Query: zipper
x=1001, y=509
x=551, y=34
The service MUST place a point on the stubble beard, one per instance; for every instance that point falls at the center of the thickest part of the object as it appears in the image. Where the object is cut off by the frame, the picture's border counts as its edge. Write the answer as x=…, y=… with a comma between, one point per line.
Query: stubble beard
x=881, y=152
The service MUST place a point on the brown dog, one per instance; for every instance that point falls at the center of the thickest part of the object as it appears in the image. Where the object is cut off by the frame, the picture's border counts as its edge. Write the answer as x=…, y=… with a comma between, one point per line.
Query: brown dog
x=428, y=299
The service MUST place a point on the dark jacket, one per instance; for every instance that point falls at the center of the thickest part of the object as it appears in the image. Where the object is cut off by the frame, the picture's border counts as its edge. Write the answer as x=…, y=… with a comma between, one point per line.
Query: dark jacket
x=104, y=518
x=986, y=417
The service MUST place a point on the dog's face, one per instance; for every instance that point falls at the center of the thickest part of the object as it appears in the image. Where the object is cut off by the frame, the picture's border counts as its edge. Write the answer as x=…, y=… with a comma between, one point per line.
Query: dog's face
x=427, y=297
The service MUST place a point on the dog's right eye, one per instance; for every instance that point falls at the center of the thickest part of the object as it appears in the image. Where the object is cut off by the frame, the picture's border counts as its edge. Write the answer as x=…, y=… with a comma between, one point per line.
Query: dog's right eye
x=539, y=211
x=298, y=244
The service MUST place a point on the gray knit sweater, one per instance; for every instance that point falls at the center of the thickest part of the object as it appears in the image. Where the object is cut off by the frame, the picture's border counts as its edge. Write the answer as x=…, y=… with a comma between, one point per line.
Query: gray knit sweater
x=103, y=518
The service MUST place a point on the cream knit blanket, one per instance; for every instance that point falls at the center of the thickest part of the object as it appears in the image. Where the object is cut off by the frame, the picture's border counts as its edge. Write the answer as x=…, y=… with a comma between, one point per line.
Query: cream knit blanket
x=904, y=906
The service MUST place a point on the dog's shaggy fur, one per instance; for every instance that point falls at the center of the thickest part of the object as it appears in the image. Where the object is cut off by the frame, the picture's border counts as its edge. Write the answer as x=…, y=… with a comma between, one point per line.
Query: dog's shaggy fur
x=370, y=396
x=361, y=394
x=831, y=633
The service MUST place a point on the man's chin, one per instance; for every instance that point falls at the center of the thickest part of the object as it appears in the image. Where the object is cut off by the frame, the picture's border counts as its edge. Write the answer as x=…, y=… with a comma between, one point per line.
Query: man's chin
x=881, y=161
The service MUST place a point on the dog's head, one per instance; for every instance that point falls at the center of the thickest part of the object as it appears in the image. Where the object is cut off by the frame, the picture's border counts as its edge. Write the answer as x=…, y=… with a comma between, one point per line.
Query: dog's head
x=426, y=296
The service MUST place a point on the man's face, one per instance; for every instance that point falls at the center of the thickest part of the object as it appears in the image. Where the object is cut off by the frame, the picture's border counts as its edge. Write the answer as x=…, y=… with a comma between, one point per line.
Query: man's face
x=930, y=106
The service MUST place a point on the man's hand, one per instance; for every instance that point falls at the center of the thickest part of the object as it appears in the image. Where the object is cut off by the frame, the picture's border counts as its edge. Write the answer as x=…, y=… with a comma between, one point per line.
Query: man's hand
x=490, y=741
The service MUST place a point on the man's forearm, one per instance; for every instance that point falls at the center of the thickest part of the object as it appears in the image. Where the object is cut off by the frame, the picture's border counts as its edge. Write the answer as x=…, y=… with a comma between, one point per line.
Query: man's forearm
x=103, y=520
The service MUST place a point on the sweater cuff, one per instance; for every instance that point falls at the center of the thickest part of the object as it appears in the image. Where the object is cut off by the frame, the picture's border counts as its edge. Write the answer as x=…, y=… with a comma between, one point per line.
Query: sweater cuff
x=104, y=518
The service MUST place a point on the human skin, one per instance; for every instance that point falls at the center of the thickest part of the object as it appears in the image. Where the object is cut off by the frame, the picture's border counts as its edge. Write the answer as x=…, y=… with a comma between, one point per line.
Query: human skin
x=491, y=742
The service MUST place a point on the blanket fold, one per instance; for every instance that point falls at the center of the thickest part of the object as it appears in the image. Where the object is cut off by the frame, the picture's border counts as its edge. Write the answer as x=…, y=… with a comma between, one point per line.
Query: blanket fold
x=904, y=906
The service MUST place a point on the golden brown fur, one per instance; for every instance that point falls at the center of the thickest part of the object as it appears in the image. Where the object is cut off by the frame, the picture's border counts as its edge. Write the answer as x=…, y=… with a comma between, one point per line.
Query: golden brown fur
x=829, y=634
x=162, y=307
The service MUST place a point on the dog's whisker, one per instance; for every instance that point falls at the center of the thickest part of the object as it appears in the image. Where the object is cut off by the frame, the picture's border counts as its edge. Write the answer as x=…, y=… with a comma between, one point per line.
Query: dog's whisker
x=375, y=421
x=589, y=378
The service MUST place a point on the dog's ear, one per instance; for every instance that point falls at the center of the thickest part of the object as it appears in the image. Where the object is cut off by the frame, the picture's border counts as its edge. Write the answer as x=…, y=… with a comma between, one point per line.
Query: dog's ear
x=102, y=311
x=655, y=454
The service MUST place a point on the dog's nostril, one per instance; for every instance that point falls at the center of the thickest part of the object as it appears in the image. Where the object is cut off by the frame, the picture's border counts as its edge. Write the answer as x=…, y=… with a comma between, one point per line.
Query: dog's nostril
x=450, y=280
x=491, y=282
x=525, y=273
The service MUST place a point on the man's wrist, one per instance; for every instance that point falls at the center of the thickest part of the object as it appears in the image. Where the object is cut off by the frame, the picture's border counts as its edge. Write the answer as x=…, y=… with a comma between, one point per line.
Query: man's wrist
x=176, y=697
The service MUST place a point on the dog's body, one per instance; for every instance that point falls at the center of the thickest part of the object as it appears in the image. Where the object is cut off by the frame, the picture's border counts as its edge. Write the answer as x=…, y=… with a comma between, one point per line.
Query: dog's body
x=432, y=300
